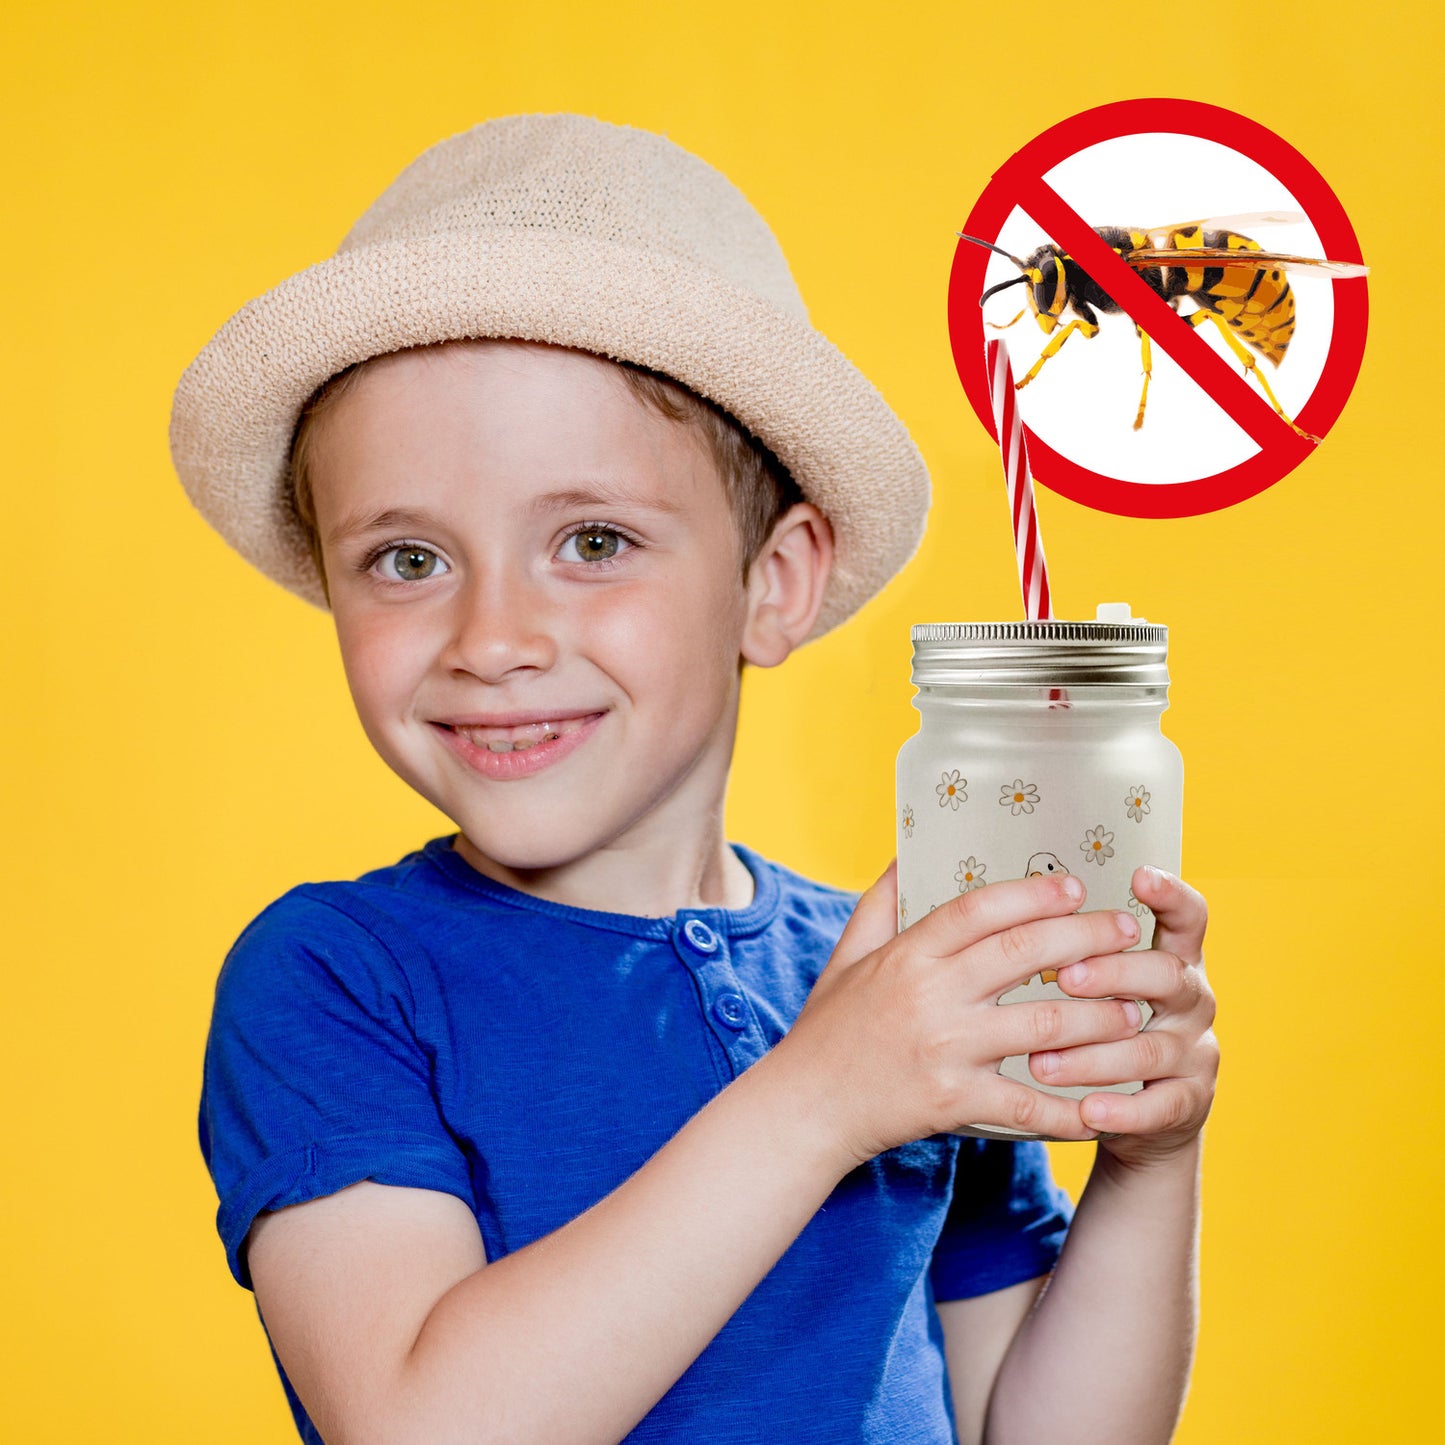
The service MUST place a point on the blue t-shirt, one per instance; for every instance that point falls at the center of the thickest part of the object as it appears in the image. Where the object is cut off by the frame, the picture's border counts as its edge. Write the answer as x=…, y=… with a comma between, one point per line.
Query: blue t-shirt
x=425, y=1026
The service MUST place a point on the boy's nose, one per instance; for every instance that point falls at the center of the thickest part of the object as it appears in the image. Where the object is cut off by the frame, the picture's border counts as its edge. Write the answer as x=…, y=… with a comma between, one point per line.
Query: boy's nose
x=503, y=625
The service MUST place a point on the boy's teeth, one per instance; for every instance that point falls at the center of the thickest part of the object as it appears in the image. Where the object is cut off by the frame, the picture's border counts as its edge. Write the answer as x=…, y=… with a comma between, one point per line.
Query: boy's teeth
x=520, y=745
x=519, y=739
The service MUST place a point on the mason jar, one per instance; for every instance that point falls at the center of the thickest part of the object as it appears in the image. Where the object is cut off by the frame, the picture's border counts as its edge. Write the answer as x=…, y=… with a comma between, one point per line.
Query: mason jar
x=1039, y=751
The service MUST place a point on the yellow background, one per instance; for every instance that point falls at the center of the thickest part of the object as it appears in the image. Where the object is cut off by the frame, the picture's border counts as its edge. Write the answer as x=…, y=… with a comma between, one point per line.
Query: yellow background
x=180, y=748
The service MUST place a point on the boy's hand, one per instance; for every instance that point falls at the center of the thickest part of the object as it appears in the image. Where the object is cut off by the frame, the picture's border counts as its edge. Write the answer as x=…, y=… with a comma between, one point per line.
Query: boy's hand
x=902, y=1035
x=1176, y=1054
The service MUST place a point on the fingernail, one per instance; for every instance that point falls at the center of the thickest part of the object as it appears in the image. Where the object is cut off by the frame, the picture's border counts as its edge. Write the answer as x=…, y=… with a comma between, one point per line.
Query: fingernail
x=1153, y=877
x=1074, y=889
x=1046, y=1064
x=1131, y=1013
x=1095, y=1112
x=1074, y=975
x=1128, y=924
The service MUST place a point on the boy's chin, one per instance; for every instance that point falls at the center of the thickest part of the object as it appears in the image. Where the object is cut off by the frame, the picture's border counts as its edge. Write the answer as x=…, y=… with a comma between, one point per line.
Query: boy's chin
x=496, y=857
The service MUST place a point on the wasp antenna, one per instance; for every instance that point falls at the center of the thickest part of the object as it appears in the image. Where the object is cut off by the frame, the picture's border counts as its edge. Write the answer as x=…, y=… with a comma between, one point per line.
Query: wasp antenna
x=989, y=245
x=1002, y=286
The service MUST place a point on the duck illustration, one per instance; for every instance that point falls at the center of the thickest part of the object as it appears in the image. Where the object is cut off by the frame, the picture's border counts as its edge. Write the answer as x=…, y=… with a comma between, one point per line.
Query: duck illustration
x=1043, y=865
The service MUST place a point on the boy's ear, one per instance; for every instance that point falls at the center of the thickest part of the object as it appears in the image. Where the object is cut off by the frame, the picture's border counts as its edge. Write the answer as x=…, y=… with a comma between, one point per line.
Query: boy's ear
x=785, y=585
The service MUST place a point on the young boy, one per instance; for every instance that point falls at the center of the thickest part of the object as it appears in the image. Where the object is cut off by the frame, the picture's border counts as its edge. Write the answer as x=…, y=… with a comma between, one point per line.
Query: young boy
x=582, y=1124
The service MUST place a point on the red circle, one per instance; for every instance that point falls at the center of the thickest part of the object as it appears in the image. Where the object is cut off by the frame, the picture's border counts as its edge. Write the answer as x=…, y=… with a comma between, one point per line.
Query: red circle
x=1209, y=122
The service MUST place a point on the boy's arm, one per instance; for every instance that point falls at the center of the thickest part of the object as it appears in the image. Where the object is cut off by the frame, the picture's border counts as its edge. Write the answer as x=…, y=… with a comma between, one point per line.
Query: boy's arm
x=1105, y=1354
x=976, y=1336
x=391, y=1328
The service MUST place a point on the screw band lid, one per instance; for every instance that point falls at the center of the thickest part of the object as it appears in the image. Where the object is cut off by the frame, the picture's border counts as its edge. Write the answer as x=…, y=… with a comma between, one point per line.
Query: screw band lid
x=1041, y=654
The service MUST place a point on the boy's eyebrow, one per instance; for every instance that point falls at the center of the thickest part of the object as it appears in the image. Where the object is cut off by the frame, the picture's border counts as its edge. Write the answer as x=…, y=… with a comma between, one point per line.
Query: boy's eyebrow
x=405, y=519
x=393, y=519
x=602, y=495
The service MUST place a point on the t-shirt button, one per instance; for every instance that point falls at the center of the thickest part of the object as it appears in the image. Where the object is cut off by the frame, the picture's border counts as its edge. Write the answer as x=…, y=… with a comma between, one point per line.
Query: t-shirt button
x=699, y=936
x=729, y=1008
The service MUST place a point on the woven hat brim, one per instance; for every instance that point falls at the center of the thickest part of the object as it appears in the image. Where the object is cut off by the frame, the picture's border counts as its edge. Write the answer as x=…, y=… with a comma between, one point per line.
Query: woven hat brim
x=236, y=407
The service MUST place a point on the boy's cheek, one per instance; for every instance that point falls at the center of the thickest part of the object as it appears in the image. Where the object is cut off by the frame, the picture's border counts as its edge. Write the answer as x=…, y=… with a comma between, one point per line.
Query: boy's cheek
x=695, y=628
x=383, y=672
x=369, y=656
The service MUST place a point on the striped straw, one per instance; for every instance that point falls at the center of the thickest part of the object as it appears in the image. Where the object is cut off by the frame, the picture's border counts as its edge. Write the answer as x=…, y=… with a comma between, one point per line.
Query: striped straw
x=1033, y=570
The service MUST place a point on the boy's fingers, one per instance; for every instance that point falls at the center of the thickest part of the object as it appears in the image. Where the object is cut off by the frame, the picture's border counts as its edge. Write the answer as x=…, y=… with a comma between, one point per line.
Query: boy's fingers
x=962, y=921
x=1163, y=980
x=1168, y=1106
x=1153, y=1054
x=1180, y=913
x=1014, y=954
x=1004, y=1103
x=874, y=921
x=1034, y=1028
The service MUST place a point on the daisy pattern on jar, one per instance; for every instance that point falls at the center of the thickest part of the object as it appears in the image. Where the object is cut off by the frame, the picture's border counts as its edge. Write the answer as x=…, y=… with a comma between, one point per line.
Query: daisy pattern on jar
x=1138, y=909
x=970, y=874
x=951, y=790
x=1018, y=797
x=1137, y=802
x=902, y=911
x=907, y=821
x=1097, y=845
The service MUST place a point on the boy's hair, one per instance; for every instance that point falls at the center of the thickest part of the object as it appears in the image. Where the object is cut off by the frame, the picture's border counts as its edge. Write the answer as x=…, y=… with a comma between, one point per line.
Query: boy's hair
x=758, y=485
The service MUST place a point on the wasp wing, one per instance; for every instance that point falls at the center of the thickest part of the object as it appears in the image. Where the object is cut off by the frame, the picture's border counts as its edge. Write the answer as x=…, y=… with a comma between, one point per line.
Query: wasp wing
x=1159, y=235
x=1255, y=260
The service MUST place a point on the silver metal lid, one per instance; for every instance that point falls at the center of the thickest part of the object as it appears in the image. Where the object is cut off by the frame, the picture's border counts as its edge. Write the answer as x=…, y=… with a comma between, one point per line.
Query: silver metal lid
x=1041, y=654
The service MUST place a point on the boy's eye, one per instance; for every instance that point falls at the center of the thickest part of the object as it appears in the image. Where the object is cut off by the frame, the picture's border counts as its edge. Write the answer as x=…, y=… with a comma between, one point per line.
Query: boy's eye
x=410, y=563
x=593, y=544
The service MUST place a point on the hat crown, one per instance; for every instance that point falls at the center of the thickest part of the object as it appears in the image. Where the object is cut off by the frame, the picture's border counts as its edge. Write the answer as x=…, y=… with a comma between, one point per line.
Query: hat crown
x=573, y=176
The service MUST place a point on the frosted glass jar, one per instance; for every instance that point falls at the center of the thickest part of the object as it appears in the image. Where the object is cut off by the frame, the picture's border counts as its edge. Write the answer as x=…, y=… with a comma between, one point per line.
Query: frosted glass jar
x=1039, y=751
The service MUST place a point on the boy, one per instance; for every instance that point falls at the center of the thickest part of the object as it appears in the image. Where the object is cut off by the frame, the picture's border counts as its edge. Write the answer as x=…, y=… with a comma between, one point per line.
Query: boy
x=584, y=1125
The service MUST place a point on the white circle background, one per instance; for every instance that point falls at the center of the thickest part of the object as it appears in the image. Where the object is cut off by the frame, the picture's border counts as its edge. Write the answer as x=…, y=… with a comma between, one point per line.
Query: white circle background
x=1083, y=402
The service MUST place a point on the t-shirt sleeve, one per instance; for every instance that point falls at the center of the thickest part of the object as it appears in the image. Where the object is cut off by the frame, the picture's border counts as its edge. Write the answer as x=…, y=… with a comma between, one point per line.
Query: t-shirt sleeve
x=315, y=1075
x=1006, y=1221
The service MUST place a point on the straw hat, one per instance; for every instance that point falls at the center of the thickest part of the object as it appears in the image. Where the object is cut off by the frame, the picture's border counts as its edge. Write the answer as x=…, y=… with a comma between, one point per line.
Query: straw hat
x=561, y=229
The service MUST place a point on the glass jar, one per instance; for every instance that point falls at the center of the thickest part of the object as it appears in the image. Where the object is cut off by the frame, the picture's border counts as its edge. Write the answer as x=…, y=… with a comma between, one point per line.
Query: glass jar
x=1039, y=751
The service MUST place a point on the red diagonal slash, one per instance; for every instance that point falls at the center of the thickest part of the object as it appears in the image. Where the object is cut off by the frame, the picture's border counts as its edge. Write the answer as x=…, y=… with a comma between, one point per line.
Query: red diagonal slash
x=1220, y=381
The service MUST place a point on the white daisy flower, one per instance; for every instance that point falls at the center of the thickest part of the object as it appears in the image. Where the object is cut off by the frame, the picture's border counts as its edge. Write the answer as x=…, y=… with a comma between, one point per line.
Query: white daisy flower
x=970, y=875
x=1018, y=796
x=951, y=790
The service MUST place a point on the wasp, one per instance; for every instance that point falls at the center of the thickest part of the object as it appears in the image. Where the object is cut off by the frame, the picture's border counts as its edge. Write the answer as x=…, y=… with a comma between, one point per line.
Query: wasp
x=1231, y=279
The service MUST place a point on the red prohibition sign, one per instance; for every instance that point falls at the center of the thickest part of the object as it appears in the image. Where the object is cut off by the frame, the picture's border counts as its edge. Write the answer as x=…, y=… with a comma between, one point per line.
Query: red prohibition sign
x=1020, y=182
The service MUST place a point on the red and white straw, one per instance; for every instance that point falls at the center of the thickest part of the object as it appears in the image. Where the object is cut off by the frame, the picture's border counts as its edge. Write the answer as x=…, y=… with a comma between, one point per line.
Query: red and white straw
x=1033, y=570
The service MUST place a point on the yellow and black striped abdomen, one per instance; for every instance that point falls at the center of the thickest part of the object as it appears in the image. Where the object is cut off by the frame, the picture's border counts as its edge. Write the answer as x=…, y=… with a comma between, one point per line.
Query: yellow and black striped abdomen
x=1255, y=302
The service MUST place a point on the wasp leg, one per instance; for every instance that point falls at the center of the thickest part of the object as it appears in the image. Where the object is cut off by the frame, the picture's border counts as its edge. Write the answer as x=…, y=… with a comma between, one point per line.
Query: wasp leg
x=1005, y=326
x=1146, y=356
x=1090, y=330
x=1198, y=318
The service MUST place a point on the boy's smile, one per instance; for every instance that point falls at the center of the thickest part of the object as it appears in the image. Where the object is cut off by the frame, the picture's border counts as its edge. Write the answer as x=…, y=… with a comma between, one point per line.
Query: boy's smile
x=498, y=748
x=538, y=589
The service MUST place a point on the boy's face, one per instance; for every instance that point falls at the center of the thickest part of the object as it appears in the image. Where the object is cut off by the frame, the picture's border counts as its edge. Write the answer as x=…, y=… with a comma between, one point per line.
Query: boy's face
x=537, y=587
